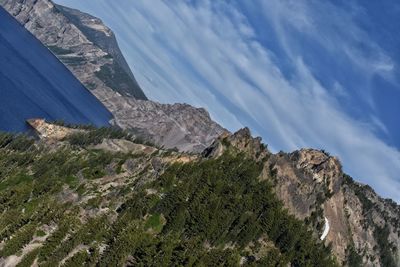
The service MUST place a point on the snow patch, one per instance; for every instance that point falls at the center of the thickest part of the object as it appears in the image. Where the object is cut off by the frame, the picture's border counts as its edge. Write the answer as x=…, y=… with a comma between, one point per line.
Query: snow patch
x=326, y=229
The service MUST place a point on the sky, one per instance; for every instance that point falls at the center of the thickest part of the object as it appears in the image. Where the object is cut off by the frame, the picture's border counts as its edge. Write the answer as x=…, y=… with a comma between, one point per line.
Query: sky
x=298, y=73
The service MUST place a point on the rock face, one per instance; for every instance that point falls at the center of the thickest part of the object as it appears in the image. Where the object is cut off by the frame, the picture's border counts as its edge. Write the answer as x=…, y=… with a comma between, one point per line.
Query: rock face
x=100, y=35
x=51, y=131
x=364, y=229
x=93, y=65
x=242, y=141
x=178, y=126
x=89, y=49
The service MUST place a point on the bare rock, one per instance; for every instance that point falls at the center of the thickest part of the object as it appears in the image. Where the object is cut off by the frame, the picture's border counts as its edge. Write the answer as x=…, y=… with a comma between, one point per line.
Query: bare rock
x=49, y=131
x=312, y=186
x=89, y=49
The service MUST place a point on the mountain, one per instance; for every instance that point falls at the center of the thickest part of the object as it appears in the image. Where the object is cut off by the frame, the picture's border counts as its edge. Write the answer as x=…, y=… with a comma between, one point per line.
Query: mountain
x=99, y=34
x=100, y=197
x=89, y=49
x=82, y=196
x=93, y=64
x=361, y=228
x=34, y=83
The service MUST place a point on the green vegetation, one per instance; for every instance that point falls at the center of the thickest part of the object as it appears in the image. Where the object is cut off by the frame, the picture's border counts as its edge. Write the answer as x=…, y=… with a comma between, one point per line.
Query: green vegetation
x=381, y=235
x=115, y=77
x=20, y=238
x=59, y=51
x=155, y=222
x=387, y=250
x=72, y=60
x=28, y=260
x=96, y=136
x=40, y=233
x=354, y=259
x=212, y=212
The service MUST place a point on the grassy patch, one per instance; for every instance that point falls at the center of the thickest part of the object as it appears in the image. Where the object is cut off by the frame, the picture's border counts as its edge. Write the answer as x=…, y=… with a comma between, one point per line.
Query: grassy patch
x=40, y=233
x=155, y=222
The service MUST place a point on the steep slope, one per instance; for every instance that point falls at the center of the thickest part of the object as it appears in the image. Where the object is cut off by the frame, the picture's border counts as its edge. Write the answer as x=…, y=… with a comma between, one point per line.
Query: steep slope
x=111, y=201
x=78, y=50
x=97, y=33
x=178, y=126
x=88, y=49
x=99, y=198
x=34, y=83
x=362, y=228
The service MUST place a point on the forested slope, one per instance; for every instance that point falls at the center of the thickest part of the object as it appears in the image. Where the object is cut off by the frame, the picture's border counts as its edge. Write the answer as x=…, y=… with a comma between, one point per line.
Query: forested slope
x=82, y=202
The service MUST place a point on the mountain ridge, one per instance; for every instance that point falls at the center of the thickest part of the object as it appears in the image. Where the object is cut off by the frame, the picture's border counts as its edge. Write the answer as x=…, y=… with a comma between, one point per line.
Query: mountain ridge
x=312, y=189
x=112, y=201
x=364, y=227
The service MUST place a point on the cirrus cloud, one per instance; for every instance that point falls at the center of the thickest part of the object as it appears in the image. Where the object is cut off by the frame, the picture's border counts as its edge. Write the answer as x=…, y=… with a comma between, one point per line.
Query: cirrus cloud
x=298, y=73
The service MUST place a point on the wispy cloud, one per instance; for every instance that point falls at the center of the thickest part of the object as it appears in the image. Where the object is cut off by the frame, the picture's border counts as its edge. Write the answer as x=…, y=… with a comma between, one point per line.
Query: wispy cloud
x=211, y=54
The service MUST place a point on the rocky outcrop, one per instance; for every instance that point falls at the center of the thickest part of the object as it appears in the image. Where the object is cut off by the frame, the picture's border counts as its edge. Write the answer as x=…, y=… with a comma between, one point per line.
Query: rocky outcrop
x=124, y=146
x=312, y=186
x=240, y=141
x=89, y=49
x=364, y=229
x=49, y=131
x=178, y=126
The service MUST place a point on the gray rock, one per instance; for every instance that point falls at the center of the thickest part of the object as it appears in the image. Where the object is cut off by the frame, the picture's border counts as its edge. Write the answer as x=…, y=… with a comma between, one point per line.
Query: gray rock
x=89, y=49
x=312, y=186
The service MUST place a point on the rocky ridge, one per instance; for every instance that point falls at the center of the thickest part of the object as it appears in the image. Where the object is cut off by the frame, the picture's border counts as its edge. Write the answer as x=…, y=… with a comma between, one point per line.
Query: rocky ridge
x=106, y=202
x=364, y=229
x=89, y=49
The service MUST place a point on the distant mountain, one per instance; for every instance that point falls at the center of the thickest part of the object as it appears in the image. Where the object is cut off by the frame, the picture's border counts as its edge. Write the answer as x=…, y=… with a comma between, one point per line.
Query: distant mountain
x=102, y=36
x=89, y=49
x=34, y=83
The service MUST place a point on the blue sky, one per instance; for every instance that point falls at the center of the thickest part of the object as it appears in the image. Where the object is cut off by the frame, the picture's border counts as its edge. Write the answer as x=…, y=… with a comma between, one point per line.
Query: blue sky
x=322, y=74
